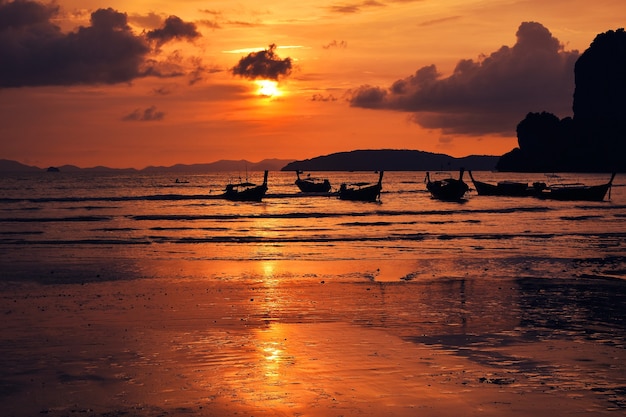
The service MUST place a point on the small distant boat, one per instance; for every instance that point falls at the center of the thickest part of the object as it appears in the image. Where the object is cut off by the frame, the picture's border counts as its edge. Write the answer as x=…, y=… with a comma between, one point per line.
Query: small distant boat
x=362, y=191
x=312, y=185
x=246, y=191
x=178, y=181
x=507, y=188
x=449, y=189
x=577, y=192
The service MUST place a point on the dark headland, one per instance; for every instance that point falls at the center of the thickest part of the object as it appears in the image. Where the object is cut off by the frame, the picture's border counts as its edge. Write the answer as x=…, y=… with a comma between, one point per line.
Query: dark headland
x=594, y=139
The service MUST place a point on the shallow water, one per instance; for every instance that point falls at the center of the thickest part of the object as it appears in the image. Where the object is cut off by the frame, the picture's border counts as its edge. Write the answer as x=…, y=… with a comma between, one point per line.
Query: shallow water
x=72, y=219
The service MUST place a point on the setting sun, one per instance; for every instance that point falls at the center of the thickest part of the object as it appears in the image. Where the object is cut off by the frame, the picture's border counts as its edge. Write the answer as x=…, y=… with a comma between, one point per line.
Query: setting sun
x=268, y=88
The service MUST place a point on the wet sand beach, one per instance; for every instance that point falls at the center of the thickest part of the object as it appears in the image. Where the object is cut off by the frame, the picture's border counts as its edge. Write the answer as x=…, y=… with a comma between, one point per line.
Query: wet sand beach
x=127, y=296
x=238, y=339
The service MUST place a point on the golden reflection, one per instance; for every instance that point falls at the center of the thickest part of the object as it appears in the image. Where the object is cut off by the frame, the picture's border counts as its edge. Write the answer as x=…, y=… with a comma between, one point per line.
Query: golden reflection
x=268, y=270
x=270, y=299
x=271, y=383
x=272, y=348
x=267, y=229
x=271, y=340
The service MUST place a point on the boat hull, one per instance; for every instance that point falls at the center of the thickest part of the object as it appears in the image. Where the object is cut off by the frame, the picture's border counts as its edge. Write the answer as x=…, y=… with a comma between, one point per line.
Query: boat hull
x=306, y=186
x=590, y=193
x=251, y=194
x=361, y=194
x=448, y=189
x=246, y=191
x=506, y=188
x=370, y=193
x=577, y=192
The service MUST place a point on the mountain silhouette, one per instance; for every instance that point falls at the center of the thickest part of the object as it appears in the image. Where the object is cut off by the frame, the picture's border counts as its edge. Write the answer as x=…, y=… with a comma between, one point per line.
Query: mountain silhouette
x=8, y=166
x=391, y=160
x=594, y=140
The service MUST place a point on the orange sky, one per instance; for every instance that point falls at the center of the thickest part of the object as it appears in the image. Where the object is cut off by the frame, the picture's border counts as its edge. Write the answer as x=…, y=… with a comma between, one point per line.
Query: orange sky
x=128, y=88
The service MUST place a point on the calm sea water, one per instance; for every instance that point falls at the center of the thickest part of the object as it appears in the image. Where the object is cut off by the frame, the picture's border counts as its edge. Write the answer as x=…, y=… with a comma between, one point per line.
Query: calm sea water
x=107, y=225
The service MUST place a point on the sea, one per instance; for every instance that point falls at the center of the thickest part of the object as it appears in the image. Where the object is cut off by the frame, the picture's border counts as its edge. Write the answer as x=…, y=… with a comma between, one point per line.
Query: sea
x=58, y=226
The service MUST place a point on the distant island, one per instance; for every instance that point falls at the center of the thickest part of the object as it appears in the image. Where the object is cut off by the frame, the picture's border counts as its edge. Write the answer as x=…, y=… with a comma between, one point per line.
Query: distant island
x=8, y=166
x=358, y=160
x=392, y=160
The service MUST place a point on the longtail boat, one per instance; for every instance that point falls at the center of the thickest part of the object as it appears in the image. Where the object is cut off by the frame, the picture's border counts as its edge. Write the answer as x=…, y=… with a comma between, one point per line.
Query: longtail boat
x=577, y=192
x=507, y=188
x=361, y=191
x=246, y=191
x=312, y=185
x=448, y=189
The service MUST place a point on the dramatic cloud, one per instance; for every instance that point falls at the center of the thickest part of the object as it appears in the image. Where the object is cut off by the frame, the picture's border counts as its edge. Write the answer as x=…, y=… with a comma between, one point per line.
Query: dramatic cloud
x=487, y=96
x=148, y=115
x=17, y=14
x=34, y=51
x=174, y=28
x=263, y=64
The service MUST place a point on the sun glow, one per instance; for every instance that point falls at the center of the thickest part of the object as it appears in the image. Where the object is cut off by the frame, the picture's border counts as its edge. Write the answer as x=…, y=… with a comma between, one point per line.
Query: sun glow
x=268, y=88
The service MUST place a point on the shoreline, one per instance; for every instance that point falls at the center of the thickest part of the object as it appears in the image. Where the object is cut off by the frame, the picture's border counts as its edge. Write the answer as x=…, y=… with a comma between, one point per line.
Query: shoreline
x=325, y=343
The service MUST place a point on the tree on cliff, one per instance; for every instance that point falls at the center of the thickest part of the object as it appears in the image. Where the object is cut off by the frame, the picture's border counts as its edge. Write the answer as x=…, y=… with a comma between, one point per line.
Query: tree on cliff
x=594, y=139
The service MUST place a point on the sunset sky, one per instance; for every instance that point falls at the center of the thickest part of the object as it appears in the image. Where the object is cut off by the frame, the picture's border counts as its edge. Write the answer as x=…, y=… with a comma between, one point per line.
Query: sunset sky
x=139, y=83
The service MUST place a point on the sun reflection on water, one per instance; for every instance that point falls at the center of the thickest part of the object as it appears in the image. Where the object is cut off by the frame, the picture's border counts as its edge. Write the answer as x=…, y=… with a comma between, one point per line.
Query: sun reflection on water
x=273, y=354
x=268, y=271
x=273, y=357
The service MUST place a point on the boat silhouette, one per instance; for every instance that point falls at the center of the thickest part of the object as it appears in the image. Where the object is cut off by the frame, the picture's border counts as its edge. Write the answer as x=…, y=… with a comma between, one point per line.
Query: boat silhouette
x=312, y=185
x=362, y=191
x=507, y=188
x=246, y=191
x=577, y=192
x=448, y=189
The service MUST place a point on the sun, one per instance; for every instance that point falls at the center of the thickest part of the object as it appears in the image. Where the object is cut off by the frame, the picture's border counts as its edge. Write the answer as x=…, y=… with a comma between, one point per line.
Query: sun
x=268, y=88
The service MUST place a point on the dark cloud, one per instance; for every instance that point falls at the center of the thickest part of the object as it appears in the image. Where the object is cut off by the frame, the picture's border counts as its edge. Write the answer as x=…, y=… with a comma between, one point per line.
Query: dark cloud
x=263, y=64
x=354, y=7
x=148, y=115
x=211, y=12
x=210, y=24
x=199, y=70
x=21, y=13
x=439, y=21
x=174, y=28
x=321, y=97
x=336, y=44
x=162, y=91
x=34, y=51
x=490, y=95
x=150, y=20
x=241, y=23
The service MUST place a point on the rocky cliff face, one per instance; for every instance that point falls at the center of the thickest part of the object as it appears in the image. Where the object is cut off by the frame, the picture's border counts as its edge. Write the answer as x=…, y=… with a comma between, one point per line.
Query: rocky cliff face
x=600, y=99
x=600, y=76
x=595, y=138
